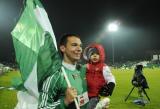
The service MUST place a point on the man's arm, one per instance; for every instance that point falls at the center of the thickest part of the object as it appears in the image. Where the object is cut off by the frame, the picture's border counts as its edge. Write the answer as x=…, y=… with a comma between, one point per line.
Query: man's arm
x=49, y=93
x=49, y=96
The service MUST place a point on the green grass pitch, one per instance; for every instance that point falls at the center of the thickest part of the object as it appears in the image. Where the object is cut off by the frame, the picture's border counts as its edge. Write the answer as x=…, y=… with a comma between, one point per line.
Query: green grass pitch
x=123, y=86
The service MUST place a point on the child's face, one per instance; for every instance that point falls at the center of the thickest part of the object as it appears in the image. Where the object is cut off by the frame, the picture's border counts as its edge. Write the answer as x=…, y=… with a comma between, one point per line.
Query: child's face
x=95, y=57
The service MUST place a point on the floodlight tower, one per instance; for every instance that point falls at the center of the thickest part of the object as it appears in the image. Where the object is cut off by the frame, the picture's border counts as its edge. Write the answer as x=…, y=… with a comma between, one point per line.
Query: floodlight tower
x=113, y=27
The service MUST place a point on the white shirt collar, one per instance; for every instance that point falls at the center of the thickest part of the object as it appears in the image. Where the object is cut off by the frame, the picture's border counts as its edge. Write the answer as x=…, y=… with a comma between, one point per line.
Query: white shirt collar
x=69, y=66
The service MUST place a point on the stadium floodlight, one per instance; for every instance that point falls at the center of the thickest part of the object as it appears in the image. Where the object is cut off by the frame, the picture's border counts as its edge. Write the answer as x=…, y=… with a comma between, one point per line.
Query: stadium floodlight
x=113, y=27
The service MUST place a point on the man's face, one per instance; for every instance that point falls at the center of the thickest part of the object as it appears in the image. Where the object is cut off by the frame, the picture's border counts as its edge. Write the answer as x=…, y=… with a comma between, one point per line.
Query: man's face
x=73, y=50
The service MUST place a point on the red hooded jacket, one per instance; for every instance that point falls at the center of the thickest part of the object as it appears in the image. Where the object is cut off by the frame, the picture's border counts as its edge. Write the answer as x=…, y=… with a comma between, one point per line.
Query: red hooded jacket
x=94, y=75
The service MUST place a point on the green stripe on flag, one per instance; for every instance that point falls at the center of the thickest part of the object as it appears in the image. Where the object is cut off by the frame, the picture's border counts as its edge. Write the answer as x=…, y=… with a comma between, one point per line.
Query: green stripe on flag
x=48, y=61
x=27, y=37
x=35, y=46
x=25, y=57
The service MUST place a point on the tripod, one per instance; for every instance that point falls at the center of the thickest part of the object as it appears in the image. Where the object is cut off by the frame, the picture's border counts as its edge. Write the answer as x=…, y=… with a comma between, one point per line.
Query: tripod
x=141, y=90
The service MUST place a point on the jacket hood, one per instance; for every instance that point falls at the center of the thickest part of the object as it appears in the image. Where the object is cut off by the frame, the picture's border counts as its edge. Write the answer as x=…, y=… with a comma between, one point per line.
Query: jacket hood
x=100, y=50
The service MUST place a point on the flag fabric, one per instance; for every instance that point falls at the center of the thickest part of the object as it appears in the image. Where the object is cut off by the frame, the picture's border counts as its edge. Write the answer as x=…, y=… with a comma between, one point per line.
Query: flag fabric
x=35, y=47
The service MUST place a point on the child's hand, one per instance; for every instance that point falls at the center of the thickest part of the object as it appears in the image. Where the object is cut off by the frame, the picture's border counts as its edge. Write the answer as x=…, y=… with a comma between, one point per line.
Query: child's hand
x=103, y=103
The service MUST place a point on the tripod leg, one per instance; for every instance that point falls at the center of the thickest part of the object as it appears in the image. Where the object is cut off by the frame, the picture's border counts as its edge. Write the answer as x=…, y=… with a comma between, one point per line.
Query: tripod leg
x=146, y=94
x=129, y=94
x=141, y=100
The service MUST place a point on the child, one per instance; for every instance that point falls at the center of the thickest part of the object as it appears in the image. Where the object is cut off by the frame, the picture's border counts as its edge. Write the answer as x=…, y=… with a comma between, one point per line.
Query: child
x=100, y=80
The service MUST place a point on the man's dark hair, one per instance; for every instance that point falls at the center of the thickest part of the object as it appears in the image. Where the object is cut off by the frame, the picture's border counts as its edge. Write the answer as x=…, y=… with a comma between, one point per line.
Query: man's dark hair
x=64, y=38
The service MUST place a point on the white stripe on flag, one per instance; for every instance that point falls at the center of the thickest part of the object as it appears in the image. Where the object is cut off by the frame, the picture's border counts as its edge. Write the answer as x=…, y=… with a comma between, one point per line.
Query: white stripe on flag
x=43, y=20
x=31, y=83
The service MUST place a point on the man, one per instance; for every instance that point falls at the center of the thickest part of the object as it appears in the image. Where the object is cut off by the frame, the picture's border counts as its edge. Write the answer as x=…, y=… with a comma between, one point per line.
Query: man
x=55, y=93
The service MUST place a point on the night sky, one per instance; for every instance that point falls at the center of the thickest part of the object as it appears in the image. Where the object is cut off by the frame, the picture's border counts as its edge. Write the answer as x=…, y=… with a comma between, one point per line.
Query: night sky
x=139, y=30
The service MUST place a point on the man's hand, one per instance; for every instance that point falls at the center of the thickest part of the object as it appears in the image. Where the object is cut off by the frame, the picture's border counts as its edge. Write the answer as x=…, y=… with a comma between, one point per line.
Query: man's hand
x=70, y=94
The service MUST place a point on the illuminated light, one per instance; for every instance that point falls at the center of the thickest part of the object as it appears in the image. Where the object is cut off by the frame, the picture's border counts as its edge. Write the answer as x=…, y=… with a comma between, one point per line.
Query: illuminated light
x=112, y=27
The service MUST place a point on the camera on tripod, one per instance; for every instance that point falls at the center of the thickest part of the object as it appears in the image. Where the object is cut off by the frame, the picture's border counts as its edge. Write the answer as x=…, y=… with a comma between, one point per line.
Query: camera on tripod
x=139, y=81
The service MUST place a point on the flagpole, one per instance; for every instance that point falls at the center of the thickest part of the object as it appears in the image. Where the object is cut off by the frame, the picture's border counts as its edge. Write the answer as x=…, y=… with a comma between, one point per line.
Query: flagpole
x=69, y=85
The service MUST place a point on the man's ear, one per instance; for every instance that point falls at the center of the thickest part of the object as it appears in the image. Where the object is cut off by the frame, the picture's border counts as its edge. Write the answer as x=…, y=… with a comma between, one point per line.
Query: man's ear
x=62, y=48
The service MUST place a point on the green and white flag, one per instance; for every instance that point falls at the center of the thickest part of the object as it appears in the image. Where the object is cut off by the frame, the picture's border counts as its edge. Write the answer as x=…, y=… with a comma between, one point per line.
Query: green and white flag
x=35, y=46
